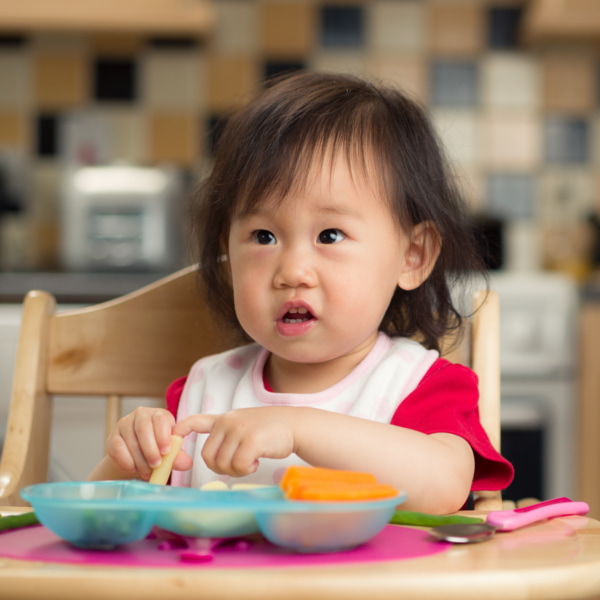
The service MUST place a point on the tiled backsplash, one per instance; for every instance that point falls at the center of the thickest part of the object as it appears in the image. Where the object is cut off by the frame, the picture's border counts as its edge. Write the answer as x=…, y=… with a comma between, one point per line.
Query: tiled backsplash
x=520, y=123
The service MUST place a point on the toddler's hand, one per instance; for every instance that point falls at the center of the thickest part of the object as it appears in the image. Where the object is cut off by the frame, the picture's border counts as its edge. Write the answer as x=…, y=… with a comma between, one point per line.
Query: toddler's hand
x=140, y=439
x=238, y=438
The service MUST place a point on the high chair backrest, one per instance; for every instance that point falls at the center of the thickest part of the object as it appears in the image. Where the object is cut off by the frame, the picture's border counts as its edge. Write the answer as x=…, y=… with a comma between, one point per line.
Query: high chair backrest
x=135, y=346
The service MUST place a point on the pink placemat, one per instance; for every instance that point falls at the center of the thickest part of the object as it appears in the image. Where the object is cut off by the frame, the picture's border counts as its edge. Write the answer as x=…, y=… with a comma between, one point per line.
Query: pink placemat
x=39, y=544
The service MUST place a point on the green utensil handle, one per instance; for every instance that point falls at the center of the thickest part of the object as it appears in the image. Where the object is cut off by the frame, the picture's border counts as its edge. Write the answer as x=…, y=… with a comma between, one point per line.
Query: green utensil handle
x=16, y=521
x=407, y=517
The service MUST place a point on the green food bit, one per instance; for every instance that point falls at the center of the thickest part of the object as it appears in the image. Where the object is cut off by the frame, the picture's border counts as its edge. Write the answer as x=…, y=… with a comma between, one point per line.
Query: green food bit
x=407, y=517
x=16, y=521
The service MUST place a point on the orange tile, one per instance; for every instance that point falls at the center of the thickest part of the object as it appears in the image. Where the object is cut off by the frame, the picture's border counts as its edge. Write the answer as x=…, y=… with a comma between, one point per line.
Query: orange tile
x=569, y=81
x=406, y=72
x=457, y=29
x=116, y=45
x=173, y=138
x=13, y=128
x=288, y=29
x=60, y=80
x=231, y=81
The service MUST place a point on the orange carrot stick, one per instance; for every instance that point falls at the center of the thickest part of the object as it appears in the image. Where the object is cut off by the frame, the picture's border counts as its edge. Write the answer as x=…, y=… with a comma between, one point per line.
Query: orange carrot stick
x=334, y=492
x=302, y=473
x=315, y=483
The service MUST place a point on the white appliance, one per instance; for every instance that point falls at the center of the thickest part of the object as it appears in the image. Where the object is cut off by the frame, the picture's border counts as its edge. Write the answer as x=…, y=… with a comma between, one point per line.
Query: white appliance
x=538, y=381
x=121, y=218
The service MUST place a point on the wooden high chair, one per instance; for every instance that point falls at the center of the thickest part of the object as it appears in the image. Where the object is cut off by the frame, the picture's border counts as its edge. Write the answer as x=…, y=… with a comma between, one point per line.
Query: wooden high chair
x=135, y=346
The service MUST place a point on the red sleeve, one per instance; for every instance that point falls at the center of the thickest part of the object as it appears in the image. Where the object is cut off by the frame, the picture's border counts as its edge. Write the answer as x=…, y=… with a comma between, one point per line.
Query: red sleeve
x=173, y=395
x=446, y=401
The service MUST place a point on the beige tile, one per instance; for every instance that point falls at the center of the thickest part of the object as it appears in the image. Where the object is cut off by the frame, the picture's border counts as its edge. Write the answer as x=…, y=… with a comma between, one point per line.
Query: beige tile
x=396, y=26
x=45, y=191
x=460, y=133
x=407, y=72
x=231, y=81
x=332, y=61
x=471, y=185
x=173, y=138
x=512, y=140
x=60, y=80
x=288, y=29
x=170, y=79
x=456, y=29
x=13, y=129
x=237, y=27
x=569, y=80
x=511, y=81
x=128, y=134
x=16, y=243
x=15, y=80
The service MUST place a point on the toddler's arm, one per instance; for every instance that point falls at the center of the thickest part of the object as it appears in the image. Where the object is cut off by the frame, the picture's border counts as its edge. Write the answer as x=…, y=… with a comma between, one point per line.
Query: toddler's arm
x=435, y=470
x=136, y=446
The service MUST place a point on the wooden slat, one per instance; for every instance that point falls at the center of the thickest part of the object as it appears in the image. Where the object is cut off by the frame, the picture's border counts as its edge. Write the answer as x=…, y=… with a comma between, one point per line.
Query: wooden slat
x=96, y=350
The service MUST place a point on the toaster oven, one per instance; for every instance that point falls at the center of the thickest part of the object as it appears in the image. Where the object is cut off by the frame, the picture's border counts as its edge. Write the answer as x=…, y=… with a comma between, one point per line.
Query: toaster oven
x=121, y=218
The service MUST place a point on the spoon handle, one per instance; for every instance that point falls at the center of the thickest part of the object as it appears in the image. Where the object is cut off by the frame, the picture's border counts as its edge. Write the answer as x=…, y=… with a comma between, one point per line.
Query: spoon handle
x=507, y=520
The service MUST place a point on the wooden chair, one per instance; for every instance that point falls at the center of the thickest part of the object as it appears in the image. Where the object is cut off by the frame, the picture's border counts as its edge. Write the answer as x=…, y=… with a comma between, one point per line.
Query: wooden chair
x=135, y=346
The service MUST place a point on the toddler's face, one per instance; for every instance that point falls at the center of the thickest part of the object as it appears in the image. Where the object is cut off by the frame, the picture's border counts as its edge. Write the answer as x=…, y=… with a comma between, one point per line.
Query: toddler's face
x=313, y=275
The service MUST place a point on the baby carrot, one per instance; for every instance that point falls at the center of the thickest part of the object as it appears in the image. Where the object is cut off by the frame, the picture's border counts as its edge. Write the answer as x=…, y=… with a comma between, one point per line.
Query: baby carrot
x=334, y=492
x=315, y=483
x=327, y=475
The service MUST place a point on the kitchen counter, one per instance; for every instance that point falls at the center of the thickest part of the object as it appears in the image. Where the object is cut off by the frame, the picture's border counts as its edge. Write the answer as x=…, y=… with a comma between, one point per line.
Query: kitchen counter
x=80, y=288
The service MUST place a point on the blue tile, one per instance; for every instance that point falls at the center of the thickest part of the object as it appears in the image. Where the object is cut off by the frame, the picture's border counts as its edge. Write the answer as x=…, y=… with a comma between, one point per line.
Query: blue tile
x=511, y=195
x=455, y=83
x=503, y=26
x=566, y=140
x=342, y=26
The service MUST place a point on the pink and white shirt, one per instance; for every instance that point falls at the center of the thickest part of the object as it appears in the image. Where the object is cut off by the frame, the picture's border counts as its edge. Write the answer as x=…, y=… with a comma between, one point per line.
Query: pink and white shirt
x=234, y=379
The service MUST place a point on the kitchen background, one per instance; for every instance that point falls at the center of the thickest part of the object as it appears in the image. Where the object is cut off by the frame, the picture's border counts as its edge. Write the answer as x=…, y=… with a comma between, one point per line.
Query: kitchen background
x=520, y=119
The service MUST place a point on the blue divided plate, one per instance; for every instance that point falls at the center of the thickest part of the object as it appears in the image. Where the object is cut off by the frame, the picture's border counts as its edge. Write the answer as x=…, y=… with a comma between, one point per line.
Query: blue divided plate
x=109, y=513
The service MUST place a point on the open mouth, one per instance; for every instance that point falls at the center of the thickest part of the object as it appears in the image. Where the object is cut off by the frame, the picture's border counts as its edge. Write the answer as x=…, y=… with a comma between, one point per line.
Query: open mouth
x=297, y=315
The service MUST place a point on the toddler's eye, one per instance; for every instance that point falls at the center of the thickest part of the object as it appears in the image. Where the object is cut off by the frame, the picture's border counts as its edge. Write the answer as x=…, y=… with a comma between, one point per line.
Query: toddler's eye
x=263, y=237
x=330, y=236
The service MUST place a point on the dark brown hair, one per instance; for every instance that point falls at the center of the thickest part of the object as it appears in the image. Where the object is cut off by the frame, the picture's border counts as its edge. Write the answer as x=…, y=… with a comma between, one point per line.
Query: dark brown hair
x=266, y=149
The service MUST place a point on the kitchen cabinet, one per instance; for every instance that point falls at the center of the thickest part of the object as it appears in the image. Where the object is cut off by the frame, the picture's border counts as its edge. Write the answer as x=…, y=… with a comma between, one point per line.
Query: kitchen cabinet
x=588, y=488
x=555, y=20
x=152, y=17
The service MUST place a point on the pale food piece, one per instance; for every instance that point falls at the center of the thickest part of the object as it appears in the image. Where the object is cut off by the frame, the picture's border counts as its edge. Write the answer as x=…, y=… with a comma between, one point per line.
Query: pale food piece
x=160, y=475
x=215, y=486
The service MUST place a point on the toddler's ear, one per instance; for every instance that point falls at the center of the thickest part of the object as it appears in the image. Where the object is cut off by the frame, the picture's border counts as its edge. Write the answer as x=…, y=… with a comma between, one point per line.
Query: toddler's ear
x=423, y=249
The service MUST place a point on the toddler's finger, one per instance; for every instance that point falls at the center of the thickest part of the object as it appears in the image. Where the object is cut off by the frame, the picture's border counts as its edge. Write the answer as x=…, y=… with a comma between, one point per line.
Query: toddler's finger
x=145, y=437
x=119, y=454
x=163, y=422
x=182, y=462
x=194, y=423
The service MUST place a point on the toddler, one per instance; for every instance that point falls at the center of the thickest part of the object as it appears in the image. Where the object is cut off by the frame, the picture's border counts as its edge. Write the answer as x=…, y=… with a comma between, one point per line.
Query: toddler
x=329, y=233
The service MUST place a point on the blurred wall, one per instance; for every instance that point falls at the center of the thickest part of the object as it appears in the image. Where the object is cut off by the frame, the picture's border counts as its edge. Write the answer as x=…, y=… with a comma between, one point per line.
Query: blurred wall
x=520, y=123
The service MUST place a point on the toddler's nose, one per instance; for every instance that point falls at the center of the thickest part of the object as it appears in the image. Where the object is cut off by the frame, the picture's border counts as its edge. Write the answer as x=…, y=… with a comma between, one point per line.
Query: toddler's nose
x=295, y=269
